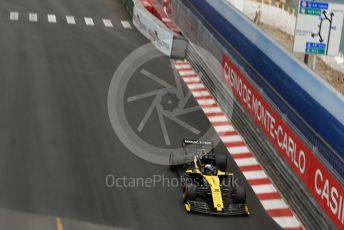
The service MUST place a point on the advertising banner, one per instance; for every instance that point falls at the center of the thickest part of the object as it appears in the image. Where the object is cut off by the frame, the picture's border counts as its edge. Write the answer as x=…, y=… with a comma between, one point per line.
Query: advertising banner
x=320, y=182
x=151, y=28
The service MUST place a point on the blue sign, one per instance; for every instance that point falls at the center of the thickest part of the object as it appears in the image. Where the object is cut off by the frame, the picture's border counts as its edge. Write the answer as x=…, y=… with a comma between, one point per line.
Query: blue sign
x=315, y=45
x=314, y=5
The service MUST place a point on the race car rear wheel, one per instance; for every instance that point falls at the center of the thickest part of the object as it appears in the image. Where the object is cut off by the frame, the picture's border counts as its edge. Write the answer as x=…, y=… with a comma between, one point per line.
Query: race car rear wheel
x=221, y=162
x=190, y=193
x=240, y=195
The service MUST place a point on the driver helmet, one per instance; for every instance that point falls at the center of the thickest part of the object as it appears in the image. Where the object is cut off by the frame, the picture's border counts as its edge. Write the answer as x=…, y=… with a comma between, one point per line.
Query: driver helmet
x=209, y=167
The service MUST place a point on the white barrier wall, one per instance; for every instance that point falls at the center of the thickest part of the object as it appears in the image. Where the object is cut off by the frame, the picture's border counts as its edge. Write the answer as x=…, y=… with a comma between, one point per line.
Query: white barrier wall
x=153, y=29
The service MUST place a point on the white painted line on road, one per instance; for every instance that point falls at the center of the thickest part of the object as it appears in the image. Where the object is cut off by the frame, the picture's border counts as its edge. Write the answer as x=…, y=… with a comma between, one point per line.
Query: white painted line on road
x=238, y=150
x=206, y=102
x=246, y=161
x=70, y=20
x=217, y=118
x=224, y=128
x=14, y=16
x=287, y=222
x=180, y=62
x=89, y=21
x=253, y=175
x=51, y=18
x=107, y=23
x=192, y=79
x=183, y=66
x=126, y=24
x=274, y=204
x=231, y=139
x=196, y=86
x=267, y=188
x=33, y=17
x=186, y=73
x=201, y=93
x=212, y=110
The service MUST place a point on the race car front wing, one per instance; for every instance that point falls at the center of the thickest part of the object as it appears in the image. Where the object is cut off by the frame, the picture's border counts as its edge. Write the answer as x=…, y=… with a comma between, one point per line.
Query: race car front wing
x=230, y=210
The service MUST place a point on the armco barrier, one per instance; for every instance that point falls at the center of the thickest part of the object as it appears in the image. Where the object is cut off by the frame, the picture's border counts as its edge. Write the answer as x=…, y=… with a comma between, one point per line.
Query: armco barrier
x=165, y=40
x=323, y=186
x=292, y=146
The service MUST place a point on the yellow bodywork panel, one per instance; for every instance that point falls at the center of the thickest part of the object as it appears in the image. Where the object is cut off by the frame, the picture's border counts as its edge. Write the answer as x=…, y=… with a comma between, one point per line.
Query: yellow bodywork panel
x=214, y=183
x=187, y=207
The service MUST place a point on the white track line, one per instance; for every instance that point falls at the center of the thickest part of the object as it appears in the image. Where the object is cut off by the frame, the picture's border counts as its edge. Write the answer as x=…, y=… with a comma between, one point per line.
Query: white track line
x=224, y=128
x=216, y=109
x=33, y=17
x=231, y=139
x=192, y=79
x=246, y=161
x=217, y=118
x=206, y=102
x=201, y=93
x=107, y=23
x=184, y=73
x=183, y=66
x=266, y=188
x=14, y=16
x=252, y=175
x=70, y=20
x=287, y=222
x=89, y=21
x=196, y=86
x=125, y=24
x=274, y=204
x=51, y=18
x=238, y=150
x=181, y=62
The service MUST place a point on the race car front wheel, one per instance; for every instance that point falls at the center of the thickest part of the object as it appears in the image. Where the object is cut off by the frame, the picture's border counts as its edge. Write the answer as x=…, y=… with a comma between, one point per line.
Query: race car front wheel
x=240, y=195
x=190, y=193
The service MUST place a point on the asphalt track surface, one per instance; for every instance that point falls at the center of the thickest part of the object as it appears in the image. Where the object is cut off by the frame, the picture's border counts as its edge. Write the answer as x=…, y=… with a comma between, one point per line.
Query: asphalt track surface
x=56, y=142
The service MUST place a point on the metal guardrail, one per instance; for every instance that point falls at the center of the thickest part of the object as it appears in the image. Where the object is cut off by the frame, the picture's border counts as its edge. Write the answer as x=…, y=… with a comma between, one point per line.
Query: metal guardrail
x=199, y=34
x=298, y=196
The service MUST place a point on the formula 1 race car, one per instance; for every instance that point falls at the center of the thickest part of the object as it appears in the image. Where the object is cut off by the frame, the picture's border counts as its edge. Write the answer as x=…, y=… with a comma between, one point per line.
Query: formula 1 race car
x=207, y=187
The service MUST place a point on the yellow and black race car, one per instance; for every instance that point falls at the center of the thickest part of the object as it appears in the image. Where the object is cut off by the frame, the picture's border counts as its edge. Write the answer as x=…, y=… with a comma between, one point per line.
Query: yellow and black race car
x=207, y=187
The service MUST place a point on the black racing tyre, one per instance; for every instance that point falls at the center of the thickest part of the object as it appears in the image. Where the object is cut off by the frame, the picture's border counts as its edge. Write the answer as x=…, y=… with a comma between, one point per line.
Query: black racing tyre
x=240, y=195
x=190, y=192
x=221, y=162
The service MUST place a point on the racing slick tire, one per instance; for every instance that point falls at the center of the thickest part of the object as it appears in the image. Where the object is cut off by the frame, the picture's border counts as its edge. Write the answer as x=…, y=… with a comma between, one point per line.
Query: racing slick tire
x=190, y=193
x=240, y=195
x=221, y=162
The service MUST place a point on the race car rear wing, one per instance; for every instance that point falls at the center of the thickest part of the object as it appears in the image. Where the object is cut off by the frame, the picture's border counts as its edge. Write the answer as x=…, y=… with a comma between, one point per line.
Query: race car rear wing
x=192, y=148
x=196, y=146
x=198, y=142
